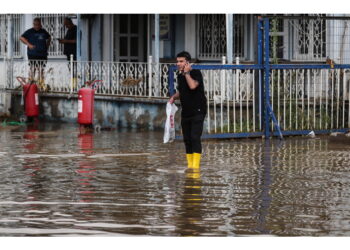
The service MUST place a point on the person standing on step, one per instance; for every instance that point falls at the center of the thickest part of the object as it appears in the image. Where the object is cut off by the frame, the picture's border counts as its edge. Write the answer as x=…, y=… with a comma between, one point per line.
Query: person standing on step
x=194, y=107
x=38, y=41
x=70, y=46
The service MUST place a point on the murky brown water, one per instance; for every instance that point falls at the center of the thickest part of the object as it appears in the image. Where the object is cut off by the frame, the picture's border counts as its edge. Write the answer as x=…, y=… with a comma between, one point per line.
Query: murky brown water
x=56, y=182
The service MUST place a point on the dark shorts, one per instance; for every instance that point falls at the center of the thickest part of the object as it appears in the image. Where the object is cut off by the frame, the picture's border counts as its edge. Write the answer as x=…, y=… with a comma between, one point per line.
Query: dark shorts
x=37, y=61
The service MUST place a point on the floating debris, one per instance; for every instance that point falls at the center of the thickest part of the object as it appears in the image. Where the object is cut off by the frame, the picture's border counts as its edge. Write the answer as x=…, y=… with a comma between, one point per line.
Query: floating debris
x=311, y=134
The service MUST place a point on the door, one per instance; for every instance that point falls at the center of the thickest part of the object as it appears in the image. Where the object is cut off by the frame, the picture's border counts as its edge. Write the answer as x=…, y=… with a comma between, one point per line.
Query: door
x=129, y=38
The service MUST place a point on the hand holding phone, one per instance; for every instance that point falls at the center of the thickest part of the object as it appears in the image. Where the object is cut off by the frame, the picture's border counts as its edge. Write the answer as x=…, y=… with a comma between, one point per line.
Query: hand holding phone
x=187, y=67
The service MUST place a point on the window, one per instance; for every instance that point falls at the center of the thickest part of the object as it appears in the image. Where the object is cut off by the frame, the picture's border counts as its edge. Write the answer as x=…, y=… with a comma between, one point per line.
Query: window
x=129, y=37
x=310, y=39
x=278, y=39
x=17, y=21
x=212, y=36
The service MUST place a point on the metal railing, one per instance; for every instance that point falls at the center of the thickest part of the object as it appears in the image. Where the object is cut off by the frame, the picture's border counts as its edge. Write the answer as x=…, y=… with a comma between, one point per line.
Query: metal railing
x=120, y=79
x=315, y=98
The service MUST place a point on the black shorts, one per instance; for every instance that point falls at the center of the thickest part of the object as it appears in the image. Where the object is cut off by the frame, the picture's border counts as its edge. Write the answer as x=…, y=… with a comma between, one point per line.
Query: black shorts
x=37, y=61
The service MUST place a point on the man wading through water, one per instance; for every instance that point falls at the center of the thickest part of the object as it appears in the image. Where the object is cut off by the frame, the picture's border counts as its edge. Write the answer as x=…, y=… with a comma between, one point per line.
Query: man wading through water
x=193, y=102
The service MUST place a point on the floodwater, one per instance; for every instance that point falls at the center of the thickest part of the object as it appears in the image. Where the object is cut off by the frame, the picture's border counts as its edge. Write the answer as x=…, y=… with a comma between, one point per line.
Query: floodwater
x=58, y=182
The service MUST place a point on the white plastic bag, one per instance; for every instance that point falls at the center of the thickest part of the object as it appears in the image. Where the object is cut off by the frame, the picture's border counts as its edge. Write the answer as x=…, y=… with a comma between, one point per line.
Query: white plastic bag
x=169, y=130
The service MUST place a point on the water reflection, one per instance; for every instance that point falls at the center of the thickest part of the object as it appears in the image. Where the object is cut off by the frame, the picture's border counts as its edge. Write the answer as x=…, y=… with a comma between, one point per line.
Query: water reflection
x=34, y=186
x=86, y=168
x=191, y=204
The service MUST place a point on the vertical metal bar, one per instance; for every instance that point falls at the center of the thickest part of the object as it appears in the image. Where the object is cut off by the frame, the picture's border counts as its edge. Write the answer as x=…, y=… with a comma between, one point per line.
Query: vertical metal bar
x=332, y=98
x=117, y=78
x=240, y=101
x=248, y=93
x=348, y=103
x=272, y=94
x=302, y=97
x=343, y=97
x=254, y=100
x=308, y=99
x=235, y=99
x=278, y=96
x=314, y=84
x=338, y=96
x=71, y=73
x=296, y=99
x=150, y=76
x=222, y=94
x=284, y=99
x=290, y=98
x=228, y=99
x=267, y=75
x=208, y=100
x=321, y=94
x=214, y=98
x=326, y=114
x=260, y=63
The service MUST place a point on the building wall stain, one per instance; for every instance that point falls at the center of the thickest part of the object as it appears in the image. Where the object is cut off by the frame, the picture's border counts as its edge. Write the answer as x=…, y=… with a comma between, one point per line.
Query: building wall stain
x=108, y=113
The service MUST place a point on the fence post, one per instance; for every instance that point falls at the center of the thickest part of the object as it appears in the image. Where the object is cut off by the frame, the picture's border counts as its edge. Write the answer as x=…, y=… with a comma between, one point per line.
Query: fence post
x=267, y=76
x=150, y=76
x=71, y=73
x=223, y=80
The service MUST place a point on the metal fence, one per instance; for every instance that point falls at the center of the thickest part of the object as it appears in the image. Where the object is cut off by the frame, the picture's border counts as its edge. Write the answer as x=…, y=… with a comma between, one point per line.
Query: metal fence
x=311, y=99
x=232, y=98
x=270, y=98
x=120, y=79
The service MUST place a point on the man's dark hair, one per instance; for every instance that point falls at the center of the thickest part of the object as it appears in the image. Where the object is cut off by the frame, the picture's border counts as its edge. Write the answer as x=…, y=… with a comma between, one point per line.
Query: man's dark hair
x=184, y=54
x=69, y=20
x=37, y=19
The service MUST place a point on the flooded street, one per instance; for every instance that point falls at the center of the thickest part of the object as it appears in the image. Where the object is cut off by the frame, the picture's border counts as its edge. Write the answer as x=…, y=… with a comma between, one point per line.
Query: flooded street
x=58, y=182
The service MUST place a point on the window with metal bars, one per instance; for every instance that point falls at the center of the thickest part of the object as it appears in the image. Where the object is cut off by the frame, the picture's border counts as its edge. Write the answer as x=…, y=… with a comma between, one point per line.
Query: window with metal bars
x=17, y=24
x=211, y=43
x=310, y=38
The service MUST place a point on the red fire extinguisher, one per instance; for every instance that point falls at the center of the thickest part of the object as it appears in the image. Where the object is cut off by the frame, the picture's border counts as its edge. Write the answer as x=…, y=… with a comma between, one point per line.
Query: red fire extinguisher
x=31, y=98
x=86, y=103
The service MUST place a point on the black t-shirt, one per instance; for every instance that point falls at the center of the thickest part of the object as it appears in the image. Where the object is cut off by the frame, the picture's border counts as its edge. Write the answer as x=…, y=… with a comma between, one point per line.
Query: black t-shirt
x=193, y=102
x=38, y=38
x=71, y=48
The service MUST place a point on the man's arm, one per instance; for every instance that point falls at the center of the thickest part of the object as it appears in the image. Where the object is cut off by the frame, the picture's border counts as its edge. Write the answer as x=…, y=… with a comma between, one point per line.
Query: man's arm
x=26, y=42
x=192, y=84
x=174, y=97
x=48, y=42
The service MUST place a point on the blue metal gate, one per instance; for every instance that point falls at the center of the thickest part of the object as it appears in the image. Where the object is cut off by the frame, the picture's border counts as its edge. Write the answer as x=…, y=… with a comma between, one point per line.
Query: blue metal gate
x=266, y=99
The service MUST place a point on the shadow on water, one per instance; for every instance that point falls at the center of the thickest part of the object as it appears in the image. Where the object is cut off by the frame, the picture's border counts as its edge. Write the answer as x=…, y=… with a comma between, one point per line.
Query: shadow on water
x=57, y=181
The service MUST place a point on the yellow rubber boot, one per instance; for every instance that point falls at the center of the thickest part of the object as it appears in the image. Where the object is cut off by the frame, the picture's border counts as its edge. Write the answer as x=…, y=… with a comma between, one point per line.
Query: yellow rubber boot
x=196, y=160
x=189, y=160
